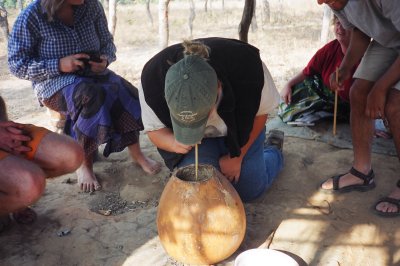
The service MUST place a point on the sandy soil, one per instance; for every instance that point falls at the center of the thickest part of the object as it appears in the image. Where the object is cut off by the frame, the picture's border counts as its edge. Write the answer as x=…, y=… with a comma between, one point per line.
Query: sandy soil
x=293, y=216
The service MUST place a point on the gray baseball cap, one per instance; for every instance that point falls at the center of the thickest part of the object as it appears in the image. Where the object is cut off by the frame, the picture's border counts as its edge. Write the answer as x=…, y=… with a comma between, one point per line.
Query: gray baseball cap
x=191, y=92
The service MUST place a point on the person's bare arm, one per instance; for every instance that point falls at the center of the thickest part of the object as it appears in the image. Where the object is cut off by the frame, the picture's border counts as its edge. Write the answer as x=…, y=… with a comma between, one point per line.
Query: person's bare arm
x=164, y=139
x=231, y=167
x=286, y=92
x=358, y=45
x=377, y=97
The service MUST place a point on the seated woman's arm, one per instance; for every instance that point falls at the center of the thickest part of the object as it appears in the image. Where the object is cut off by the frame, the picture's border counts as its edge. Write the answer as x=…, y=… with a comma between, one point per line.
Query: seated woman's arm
x=286, y=92
x=23, y=59
x=107, y=47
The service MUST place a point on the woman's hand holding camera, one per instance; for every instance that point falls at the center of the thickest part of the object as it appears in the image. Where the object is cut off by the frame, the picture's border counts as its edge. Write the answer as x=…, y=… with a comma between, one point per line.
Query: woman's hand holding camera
x=77, y=62
x=98, y=67
x=73, y=63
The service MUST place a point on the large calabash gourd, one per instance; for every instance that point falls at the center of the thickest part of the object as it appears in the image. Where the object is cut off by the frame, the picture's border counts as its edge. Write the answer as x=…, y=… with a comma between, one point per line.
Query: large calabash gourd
x=200, y=221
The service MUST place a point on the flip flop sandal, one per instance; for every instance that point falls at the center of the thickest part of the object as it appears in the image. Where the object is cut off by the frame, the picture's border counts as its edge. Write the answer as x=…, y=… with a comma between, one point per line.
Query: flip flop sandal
x=25, y=216
x=390, y=200
x=368, y=183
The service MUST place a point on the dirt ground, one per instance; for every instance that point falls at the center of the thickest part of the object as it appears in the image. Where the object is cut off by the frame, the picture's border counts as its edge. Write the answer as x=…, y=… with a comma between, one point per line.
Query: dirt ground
x=317, y=228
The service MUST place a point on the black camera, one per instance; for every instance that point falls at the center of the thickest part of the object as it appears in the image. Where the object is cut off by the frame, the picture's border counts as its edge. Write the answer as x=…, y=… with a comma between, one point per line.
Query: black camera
x=86, y=70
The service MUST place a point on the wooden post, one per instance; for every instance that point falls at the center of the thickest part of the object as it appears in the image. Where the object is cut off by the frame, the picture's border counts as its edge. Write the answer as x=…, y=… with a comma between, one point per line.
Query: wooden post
x=336, y=100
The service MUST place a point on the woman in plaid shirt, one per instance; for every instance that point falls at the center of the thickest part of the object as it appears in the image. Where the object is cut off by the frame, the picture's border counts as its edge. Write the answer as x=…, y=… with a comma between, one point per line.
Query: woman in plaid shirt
x=64, y=48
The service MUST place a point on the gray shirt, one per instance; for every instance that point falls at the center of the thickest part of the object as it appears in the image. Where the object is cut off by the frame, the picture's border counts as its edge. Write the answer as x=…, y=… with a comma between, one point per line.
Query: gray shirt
x=379, y=19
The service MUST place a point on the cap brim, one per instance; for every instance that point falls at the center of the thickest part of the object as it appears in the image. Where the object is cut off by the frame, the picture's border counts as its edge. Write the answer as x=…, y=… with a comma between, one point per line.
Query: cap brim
x=189, y=135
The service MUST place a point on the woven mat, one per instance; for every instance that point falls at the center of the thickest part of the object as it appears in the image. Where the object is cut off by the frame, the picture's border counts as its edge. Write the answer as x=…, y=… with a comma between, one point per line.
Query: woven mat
x=322, y=131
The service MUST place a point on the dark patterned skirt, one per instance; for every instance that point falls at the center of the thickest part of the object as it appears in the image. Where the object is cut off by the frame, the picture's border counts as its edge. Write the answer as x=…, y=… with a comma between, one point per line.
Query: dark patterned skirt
x=311, y=96
x=100, y=109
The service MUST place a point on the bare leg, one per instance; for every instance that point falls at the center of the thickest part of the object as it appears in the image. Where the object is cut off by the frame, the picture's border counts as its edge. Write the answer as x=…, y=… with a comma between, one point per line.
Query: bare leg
x=22, y=183
x=392, y=112
x=58, y=155
x=362, y=130
x=87, y=180
x=148, y=165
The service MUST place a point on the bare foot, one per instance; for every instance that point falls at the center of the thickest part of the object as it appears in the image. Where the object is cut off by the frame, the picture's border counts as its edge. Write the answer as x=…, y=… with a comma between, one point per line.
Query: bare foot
x=385, y=206
x=149, y=165
x=87, y=181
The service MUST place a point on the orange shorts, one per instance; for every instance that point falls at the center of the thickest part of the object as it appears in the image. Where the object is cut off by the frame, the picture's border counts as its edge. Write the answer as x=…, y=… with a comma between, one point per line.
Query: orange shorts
x=36, y=134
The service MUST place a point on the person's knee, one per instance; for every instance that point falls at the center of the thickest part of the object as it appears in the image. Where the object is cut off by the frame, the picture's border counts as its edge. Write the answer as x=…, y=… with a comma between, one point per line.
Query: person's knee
x=392, y=107
x=251, y=188
x=358, y=93
x=32, y=186
x=72, y=157
x=75, y=155
x=67, y=156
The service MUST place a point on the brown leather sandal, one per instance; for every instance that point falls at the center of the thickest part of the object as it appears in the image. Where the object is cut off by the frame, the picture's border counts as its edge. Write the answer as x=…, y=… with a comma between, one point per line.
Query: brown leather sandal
x=390, y=200
x=368, y=183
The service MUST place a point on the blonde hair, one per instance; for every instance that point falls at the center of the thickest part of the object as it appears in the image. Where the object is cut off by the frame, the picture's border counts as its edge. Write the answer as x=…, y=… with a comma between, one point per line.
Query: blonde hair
x=196, y=48
x=51, y=7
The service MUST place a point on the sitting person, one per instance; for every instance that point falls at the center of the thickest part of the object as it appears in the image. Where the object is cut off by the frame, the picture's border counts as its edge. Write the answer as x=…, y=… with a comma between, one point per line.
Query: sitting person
x=215, y=92
x=309, y=92
x=64, y=48
x=29, y=155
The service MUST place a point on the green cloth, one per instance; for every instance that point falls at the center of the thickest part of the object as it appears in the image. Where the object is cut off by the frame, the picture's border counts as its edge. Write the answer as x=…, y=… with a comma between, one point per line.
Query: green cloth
x=311, y=96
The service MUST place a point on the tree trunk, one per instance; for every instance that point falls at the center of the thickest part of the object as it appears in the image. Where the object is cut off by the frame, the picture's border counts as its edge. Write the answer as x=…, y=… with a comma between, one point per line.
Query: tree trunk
x=326, y=20
x=149, y=13
x=163, y=25
x=266, y=12
x=112, y=16
x=223, y=5
x=205, y=5
x=4, y=22
x=254, y=25
x=244, y=25
x=192, y=16
x=279, y=17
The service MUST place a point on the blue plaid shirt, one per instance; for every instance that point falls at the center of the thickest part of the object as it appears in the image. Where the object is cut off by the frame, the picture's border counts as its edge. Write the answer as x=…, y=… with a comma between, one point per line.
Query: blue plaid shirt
x=36, y=45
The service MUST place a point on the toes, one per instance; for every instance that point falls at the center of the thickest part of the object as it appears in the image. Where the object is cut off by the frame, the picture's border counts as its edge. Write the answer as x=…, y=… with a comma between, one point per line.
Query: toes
x=151, y=167
x=156, y=168
x=97, y=186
